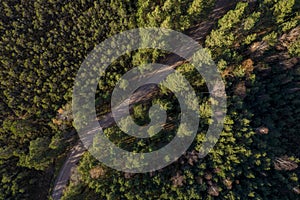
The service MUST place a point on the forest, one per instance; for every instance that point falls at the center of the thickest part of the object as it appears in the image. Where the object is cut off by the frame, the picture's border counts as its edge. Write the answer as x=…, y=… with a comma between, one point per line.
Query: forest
x=255, y=45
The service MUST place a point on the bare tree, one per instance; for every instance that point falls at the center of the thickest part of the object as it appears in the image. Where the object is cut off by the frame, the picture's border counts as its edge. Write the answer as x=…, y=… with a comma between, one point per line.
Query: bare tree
x=284, y=163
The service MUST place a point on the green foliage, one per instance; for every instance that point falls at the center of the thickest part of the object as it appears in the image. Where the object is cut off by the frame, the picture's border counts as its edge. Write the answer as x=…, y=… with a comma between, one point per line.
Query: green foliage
x=250, y=38
x=178, y=15
x=39, y=154
x=223, y=36
x=43, y=44
x=282, y=8
x=271, y=38
x=294, y=48
x=251, y=20
x=232, y=17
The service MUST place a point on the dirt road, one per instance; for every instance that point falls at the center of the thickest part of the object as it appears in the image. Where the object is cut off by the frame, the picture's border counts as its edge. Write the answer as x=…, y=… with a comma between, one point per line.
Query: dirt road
x=199, y=32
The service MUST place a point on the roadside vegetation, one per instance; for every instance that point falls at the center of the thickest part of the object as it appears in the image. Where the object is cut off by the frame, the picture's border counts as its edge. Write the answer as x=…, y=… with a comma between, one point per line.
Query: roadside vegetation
x=256, y=47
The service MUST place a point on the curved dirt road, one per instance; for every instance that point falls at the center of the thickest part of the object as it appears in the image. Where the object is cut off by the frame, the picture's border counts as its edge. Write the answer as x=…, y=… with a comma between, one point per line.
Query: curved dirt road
x=198, y=33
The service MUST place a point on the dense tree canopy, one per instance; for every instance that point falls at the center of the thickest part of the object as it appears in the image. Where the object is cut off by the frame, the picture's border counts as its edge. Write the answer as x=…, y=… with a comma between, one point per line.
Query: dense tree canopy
x=256, y=47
